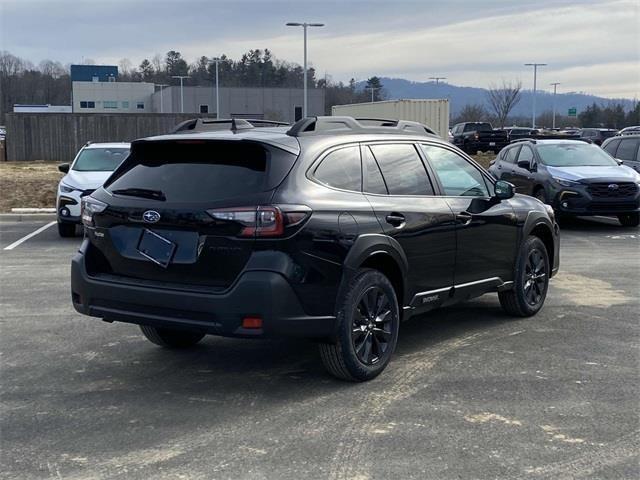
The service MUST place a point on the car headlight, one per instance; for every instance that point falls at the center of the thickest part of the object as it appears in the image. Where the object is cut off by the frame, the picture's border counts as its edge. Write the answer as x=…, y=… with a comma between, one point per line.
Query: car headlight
x=89, y=207
x=565, y=183
x=64, y=188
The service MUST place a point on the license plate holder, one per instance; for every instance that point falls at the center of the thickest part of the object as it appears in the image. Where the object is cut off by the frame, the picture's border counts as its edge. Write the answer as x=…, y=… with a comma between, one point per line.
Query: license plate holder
x=156, y=248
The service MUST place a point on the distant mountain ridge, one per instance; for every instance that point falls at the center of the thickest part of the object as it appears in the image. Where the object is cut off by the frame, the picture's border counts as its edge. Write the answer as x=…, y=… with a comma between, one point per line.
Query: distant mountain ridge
x=398, y=88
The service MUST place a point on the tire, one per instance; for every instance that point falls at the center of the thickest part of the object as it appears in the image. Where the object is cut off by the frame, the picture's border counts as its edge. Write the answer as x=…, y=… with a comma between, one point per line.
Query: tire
x=368, y=321
x=629, y=219
x=170, y=338
x=66, y=229
x=531, y=280
x=541, y=195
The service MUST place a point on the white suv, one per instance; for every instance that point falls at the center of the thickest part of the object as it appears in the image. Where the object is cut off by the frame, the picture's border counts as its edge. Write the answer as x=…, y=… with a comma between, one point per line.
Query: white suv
x=88, y=171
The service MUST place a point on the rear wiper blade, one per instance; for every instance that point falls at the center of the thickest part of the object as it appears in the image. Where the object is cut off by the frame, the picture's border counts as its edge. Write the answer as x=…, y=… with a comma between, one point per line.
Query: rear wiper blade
x=141, y=192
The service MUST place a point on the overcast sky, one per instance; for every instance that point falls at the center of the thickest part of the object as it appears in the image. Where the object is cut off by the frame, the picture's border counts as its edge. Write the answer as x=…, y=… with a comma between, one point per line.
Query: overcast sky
x=590, y=46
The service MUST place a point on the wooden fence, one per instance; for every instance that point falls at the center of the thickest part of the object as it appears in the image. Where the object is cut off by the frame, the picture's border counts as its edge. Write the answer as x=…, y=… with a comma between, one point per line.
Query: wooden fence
x=53, y=136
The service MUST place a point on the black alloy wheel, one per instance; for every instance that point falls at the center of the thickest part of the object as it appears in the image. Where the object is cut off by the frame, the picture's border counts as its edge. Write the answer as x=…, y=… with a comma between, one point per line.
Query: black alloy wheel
x=535, y=277
x=371, y=327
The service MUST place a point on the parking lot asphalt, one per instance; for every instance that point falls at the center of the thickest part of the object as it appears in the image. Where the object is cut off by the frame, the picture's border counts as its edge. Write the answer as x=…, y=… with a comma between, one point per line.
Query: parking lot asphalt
x=470, y=393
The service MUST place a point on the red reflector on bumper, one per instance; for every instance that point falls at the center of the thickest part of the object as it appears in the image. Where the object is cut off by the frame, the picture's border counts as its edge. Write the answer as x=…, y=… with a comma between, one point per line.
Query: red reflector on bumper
x=251, y=322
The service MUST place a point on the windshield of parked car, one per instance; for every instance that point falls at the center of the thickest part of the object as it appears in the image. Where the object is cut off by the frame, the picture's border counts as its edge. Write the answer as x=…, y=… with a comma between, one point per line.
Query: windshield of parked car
x=100, y=159
x=574, y=155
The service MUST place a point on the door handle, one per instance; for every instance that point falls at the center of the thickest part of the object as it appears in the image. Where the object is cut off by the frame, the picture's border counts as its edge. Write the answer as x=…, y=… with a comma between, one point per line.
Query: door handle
x=395, y=219
x=464, y=218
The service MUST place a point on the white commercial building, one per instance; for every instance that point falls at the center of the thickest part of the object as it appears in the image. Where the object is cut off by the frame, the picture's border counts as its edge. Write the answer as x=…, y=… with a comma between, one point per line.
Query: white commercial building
x=112, y=97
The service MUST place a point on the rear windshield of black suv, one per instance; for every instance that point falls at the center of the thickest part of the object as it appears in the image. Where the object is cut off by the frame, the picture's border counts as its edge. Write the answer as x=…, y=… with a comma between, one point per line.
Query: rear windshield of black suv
x=187, y=171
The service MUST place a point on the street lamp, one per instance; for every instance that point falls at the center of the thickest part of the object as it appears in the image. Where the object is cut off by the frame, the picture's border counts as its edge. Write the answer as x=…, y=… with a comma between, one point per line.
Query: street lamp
x=535, y=75
x=161, y=85
x=555, y=86
x=373, y=89
x=181, y=77
x=216, y=60
x=304, y=25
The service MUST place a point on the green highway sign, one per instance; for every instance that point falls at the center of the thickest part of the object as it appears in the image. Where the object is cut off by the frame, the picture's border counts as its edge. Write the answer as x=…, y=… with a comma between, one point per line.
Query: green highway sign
x=573, y=112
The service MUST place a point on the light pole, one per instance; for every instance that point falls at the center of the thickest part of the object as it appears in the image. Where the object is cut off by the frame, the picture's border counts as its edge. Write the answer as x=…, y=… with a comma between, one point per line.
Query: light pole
x=437, y=79
x=216, y=60
x=373, y=89
x=161, y=85
x=535, y=76
x=304, y=25
x=181, y=77
x=555, y=87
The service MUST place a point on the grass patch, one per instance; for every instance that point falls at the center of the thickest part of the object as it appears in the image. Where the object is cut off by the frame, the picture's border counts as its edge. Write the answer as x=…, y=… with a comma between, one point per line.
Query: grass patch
x=28, y=184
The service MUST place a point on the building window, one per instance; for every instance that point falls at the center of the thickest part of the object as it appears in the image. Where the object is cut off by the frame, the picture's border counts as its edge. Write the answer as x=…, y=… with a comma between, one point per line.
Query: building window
x=140, y=105
x=112, y=79
x=109, y=104
x=85, y=104
x=95, y=78
x=125, y=104
x=204, y=108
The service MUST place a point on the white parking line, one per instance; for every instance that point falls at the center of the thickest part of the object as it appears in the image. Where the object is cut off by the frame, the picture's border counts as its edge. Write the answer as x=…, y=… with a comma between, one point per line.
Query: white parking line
x=27, y=237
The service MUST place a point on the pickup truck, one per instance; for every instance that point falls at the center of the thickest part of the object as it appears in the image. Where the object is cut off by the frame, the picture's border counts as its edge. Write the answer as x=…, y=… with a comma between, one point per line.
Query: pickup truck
x=472, y=137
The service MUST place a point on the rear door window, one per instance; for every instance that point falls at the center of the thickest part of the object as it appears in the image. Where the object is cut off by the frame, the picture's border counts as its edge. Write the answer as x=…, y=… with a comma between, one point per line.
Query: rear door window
x=510, y=155
x=341, y=169
x=627, y=149
x=373, y=180
x=201, y=171
x=402, y=169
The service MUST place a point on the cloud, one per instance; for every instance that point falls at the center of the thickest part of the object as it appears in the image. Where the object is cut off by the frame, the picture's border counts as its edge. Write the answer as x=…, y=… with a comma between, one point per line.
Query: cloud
x=591, y=46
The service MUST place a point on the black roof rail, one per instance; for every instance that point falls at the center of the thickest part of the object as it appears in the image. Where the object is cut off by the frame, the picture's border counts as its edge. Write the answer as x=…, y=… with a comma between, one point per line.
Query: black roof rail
x=196, y=125
x=341, y=124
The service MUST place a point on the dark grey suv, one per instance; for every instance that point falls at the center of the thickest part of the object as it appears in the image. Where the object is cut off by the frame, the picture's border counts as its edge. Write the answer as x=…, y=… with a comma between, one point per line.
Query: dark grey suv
x=625, y=149
x=574, y=177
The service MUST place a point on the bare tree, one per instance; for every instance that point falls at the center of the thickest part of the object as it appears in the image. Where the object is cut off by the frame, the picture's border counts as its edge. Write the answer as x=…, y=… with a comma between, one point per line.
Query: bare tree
x=471, y=113
x=503, y=98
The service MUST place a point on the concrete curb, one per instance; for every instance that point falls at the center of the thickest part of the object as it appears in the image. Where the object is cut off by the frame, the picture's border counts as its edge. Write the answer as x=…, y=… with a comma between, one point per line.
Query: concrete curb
x=27, y=217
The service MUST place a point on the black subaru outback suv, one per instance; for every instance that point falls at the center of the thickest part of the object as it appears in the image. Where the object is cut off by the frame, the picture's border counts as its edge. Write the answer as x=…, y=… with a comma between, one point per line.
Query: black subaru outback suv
x=333, y=229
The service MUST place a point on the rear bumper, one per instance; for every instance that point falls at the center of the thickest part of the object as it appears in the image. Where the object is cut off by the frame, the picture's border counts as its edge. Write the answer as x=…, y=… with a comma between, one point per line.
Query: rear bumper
x=259, y=293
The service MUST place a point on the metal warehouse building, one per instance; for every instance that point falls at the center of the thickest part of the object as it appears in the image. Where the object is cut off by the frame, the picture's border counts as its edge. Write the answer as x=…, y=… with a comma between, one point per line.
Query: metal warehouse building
x=284, y=104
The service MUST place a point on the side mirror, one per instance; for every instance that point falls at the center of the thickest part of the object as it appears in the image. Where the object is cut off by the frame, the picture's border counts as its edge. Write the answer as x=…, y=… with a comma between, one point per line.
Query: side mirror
x=526, y=164
x=504, y=190
x=64, y=167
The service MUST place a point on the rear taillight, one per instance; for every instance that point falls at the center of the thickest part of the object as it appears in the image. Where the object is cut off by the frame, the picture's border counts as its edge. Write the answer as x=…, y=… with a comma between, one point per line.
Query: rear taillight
x=88, y=207
x=262, y=221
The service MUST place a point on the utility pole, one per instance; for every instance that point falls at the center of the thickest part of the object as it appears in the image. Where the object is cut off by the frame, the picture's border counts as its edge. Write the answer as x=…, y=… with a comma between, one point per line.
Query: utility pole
x=216, y=60
x=161, y=85
x=181, y=77
x=555, y=87
x=373, y=89
x=305, y=25
x=535, y=76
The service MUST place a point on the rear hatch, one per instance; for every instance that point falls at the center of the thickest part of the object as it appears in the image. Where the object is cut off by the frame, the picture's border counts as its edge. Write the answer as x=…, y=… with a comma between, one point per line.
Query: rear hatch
x=180, y=212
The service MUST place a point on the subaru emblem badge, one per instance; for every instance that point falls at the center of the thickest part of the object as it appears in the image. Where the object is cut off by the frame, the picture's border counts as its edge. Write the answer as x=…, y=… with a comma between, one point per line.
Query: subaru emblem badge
x=150, y=216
